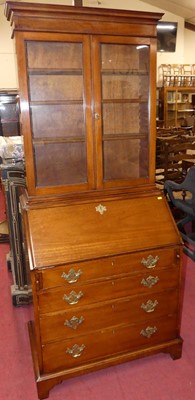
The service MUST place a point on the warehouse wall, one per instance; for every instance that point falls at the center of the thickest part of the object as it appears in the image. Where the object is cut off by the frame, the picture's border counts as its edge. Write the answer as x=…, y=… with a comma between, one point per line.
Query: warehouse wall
x=183, y=53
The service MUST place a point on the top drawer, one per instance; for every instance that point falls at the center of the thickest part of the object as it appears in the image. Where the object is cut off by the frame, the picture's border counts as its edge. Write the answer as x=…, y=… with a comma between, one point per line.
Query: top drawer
x=101, y=269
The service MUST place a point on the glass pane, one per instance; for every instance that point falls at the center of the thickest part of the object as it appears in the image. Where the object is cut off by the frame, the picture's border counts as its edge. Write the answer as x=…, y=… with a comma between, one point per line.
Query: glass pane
x=128, y=123
x=60, y=163
x=51, y=87
x=54, y=120
x=55, y=74
x=121, y=167
x=54, y=55
x=125, y=93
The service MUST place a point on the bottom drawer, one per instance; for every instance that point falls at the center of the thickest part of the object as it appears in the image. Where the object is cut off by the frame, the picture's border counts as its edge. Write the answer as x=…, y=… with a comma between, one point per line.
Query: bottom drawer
x=109, y=342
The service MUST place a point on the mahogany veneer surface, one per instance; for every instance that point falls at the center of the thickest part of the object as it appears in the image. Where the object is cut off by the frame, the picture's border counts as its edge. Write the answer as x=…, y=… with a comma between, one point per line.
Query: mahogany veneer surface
x=104, y=251
x=78, y=232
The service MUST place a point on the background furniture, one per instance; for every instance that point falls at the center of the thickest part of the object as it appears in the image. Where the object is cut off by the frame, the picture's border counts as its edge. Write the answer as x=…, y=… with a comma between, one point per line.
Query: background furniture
x=175, y=154
x=4, y=234
x=186, y=204
x=13, y=179
x=177, y=106
x=105, y=269
x=176, y=75
x=9, y=113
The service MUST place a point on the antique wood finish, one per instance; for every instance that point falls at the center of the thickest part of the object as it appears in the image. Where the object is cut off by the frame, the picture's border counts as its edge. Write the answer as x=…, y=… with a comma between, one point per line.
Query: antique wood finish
x=42, y=65
x=99, y=306
x=58, y=299
x=126, y=225
x=104, y=251
x=108, y=314
x=104, y=343
x=101, y=269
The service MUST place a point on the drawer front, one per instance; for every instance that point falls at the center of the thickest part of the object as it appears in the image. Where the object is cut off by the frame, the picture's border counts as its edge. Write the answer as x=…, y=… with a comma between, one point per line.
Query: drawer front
x=80, y=295
x=103, y=268
x=84, y=320
x=89, y=348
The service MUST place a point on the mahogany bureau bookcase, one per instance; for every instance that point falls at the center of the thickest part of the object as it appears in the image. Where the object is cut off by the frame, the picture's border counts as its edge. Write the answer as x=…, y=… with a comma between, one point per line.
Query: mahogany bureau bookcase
x=104, y=251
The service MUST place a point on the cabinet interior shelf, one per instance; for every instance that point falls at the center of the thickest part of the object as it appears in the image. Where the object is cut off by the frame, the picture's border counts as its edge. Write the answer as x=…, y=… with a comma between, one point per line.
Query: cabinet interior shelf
x=122, y=136
x=41, y=141
x=57, y=71
x=107, y=137
x=69, y=102
x=105, y=101
x=124, y=72
x=54, y=102
x=53, y=71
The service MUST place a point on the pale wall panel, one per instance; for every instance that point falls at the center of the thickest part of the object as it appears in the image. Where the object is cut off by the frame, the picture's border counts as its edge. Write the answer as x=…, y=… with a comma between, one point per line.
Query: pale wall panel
x=185, y=40
x=8, y=72
x=189, y=47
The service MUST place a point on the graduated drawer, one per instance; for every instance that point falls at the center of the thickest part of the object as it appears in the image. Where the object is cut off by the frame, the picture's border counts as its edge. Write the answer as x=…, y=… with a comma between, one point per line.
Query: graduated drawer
x=98, y=345
x=67, y=324
x=67, y=298
x=105, y=267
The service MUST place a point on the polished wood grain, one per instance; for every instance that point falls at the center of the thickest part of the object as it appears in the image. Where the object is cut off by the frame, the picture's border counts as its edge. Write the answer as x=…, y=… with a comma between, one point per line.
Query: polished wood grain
x=109, y=79
x=53, y=300
x=107, y=342
x=107, y=314
x=47, y=381
x=104, y=268
x=79, y=232
x=104, y=250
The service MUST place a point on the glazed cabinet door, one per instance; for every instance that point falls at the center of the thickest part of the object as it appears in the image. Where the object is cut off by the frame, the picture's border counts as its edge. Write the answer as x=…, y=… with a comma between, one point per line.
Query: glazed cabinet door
x=88, y=111
x=124, y=110
x=55, y=102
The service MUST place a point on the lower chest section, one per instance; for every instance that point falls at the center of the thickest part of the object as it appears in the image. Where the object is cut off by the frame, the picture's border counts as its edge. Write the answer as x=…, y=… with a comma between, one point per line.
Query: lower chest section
x=98, y=309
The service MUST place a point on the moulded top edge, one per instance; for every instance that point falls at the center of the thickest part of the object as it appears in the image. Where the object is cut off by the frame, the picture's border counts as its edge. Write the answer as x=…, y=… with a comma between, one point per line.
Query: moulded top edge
x=26, y=9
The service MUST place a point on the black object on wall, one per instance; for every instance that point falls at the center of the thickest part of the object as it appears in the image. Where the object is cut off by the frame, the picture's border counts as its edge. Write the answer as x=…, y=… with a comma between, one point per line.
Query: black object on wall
x=166, y=36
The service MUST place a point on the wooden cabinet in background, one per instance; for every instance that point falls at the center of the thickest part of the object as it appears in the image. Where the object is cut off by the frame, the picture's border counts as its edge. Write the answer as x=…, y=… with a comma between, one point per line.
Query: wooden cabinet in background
x=9, y=113
x=104, y=251
x=177, y=106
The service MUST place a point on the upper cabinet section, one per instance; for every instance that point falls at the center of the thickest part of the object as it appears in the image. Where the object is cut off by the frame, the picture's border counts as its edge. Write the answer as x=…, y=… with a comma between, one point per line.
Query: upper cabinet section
x=87, y=92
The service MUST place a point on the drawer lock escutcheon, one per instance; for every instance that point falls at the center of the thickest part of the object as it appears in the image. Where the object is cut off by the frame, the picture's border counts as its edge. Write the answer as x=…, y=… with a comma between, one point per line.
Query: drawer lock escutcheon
x=76, y=350
x=149, y=331
x=150, y=262
x=74, y=322
x=150, y=281
x=72, y=276
x=73, y=297
x=149, y=306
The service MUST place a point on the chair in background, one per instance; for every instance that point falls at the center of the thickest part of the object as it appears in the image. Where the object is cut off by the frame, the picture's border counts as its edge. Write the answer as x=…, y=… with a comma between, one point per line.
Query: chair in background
x=186, y=204
x=175, y=154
